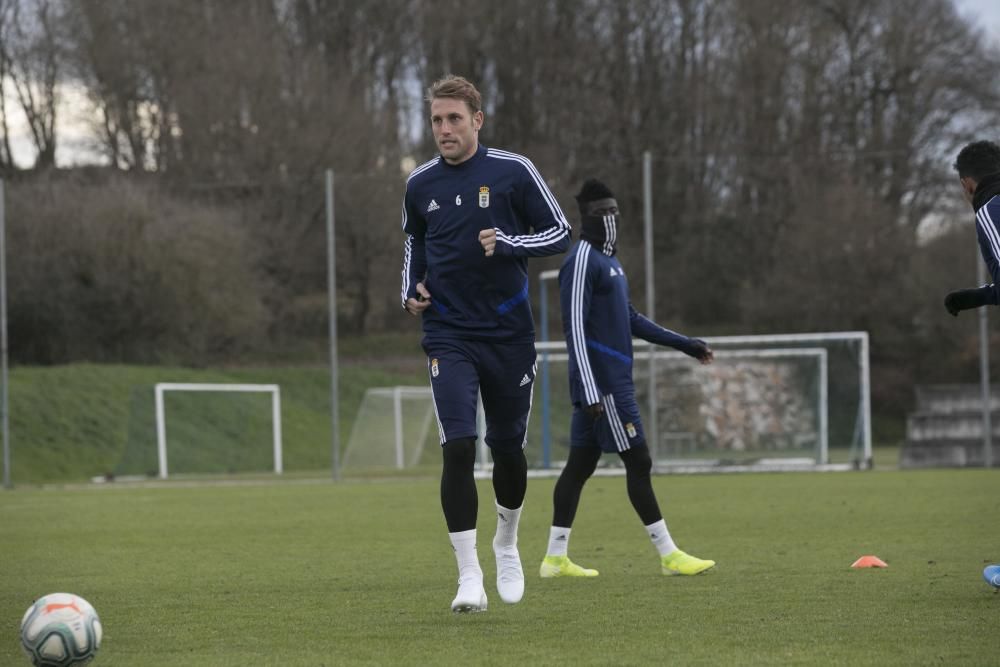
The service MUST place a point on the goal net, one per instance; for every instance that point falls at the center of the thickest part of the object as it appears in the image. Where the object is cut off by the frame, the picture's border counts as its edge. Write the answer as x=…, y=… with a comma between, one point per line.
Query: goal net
x=791, y=401
x=785, y=402
x=393, y=429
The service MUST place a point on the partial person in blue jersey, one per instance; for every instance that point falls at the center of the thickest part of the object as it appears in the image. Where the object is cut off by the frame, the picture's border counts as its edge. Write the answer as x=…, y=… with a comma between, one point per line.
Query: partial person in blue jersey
x=599, y=322
x=472, y=217
x=978, y=167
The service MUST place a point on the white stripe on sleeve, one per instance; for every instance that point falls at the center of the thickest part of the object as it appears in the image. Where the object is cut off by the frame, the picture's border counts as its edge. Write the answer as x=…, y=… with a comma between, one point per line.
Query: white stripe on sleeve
x=986, y=224
x=407, y=257
x=576, y=325
x=547, y=195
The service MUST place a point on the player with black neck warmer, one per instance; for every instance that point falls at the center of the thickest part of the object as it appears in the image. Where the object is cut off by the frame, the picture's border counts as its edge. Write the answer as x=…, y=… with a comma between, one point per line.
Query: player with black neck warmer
x=978, y=167
x=600, y=229
x=599, y=323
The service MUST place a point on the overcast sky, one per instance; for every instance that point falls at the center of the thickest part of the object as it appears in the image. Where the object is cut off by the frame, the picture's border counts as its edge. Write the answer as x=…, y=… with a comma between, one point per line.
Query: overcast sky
x=987, y=11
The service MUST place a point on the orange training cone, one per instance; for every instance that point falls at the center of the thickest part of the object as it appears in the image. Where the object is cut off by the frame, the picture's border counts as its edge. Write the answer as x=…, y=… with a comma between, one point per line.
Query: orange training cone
x=869, y=561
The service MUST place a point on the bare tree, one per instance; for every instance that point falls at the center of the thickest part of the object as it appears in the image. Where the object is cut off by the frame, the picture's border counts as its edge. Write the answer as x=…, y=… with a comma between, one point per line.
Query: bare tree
x=797, y=146
x=6, y=155
x=32, y=55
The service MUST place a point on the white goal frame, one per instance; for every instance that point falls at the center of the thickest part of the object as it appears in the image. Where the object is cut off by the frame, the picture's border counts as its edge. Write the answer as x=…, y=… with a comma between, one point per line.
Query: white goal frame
x=807, y=344
x=556, y=352
x=864, y=366
x=161, y=426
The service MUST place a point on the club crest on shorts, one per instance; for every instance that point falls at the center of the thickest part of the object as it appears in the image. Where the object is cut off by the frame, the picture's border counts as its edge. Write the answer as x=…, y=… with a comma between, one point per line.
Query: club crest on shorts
x=630, y=429
x=434, y=368
x=484, y=197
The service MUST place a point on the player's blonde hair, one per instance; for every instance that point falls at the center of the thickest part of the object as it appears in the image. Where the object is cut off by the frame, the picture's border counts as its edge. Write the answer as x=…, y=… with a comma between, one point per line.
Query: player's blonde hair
x=456, y=87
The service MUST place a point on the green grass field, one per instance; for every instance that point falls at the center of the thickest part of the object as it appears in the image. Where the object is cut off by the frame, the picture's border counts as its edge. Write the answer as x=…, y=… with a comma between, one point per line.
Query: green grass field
x=316, y=573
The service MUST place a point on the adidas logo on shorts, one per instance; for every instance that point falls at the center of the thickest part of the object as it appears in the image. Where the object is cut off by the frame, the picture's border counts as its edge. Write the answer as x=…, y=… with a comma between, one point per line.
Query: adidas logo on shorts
x=525, y=380
x=433, y=206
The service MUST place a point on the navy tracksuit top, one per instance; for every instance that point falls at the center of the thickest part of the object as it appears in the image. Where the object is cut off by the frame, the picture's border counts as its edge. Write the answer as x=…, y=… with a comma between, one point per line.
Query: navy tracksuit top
x=599, y=322
x=475, y=297
x=988, y=234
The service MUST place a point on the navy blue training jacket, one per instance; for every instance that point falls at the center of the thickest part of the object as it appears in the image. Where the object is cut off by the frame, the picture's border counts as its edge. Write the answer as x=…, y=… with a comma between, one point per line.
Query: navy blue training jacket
x=475, y=297
x=599, y=322
x=987, y=219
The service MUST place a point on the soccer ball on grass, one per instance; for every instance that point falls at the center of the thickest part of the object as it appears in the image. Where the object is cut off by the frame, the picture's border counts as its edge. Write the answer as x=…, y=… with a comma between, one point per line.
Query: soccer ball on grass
x=59, y=630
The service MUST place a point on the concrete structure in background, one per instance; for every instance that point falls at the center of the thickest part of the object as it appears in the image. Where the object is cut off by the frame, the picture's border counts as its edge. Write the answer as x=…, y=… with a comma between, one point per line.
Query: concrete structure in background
x=946, y=430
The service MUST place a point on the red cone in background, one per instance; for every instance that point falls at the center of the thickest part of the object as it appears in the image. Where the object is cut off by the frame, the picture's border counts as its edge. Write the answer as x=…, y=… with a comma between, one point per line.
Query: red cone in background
x=869, y=561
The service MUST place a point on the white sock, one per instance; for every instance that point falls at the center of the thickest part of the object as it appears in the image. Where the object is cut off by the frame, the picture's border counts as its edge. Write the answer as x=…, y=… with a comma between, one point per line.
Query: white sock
x=558, y=541
x=464, y=543
x=660, y=537
x=507, y=520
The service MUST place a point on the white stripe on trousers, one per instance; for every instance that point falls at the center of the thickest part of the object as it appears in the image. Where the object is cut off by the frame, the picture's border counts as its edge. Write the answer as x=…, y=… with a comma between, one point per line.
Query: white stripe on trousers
x=441, y=434
x=615, y=421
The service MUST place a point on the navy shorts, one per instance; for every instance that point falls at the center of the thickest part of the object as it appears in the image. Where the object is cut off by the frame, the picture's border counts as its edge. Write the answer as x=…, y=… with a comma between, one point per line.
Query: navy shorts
x=618, y=429
x=503, y=372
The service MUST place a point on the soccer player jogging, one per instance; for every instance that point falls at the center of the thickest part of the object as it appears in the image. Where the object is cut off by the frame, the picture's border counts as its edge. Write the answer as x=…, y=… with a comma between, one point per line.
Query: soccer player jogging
x=472, y=216
x=978, y=167
x=599, y=322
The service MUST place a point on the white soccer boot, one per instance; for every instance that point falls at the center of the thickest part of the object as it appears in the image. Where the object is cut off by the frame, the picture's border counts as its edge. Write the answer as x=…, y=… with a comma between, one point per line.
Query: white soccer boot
x=510, y=575
x=471, y=596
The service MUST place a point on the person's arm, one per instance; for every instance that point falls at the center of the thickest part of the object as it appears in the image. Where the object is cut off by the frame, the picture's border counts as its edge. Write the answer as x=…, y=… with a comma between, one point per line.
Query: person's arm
x=989, y=246
x=644, y=328
x=540, y=210
x=967, y=299
x=415, y=298
x=576, y=286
